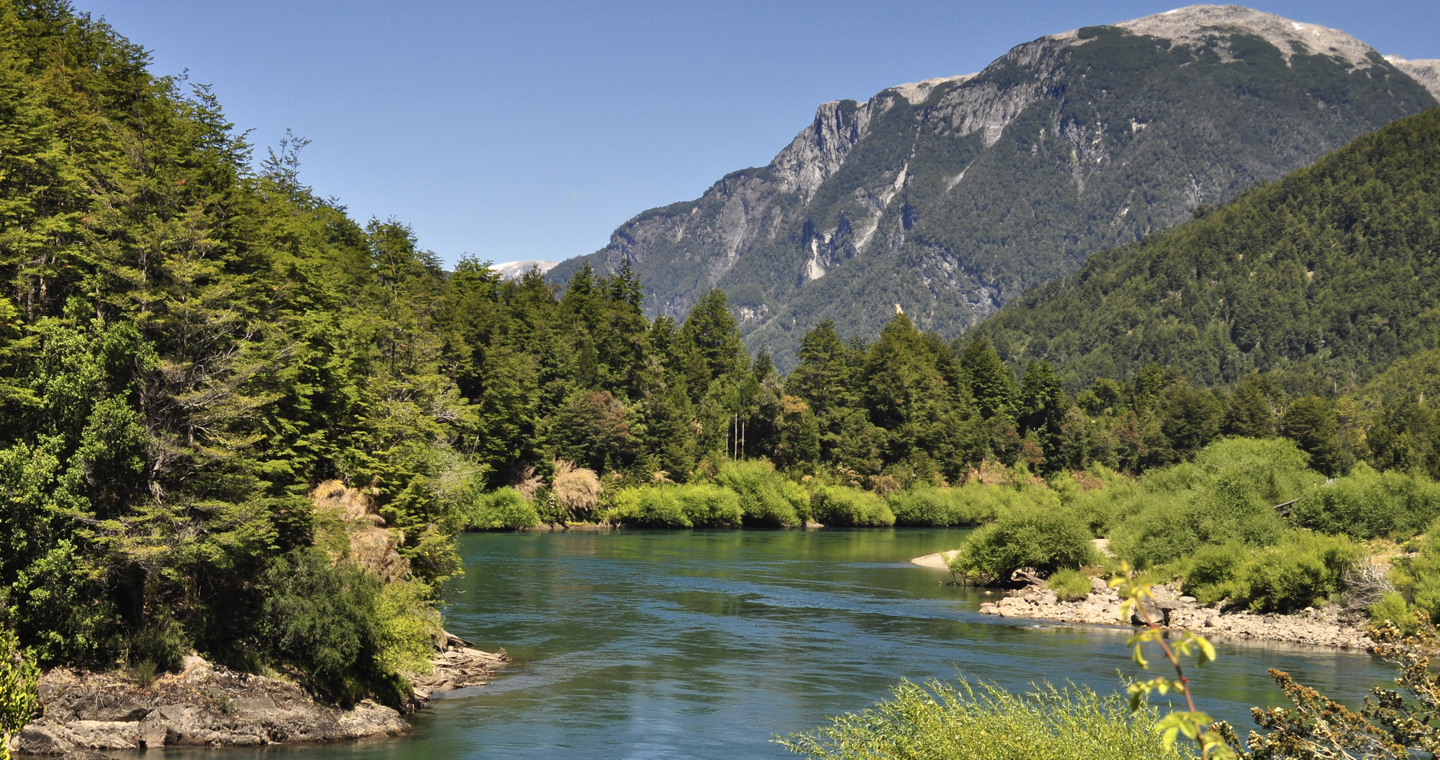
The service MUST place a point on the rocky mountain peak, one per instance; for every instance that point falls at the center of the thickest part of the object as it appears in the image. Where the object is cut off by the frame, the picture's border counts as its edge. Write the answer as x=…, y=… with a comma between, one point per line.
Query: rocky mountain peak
x=1193, y=24
x=1424, y=71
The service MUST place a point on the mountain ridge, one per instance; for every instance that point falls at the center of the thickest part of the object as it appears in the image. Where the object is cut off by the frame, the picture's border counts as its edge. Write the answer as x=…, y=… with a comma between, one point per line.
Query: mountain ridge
x=950, y=195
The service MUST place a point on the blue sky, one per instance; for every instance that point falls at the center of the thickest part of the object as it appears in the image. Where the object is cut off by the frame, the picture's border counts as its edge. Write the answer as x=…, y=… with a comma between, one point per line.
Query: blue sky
x=532, y=129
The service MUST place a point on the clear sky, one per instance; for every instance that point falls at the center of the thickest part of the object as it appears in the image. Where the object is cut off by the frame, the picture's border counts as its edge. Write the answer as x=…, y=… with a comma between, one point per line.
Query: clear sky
x=530, y=130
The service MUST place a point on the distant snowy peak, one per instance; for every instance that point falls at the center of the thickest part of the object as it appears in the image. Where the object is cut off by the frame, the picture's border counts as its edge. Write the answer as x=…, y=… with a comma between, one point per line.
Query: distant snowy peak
x=514, y=270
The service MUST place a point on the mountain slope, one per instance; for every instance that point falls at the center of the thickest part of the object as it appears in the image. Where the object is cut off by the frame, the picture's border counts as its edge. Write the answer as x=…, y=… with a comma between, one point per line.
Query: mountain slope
x=1335, y=271
x=949, y=196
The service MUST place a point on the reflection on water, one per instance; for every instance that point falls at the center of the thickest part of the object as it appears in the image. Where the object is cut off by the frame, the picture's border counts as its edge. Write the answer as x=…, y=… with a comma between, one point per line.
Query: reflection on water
x=705, y=644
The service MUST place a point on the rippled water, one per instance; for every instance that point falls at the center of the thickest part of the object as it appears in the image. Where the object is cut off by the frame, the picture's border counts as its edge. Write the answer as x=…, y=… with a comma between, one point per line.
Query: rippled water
x=705, y=644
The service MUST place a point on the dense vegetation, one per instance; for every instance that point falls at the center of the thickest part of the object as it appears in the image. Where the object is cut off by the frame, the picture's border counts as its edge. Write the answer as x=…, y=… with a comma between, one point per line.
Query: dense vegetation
x=187, y=347
x=1329, y=275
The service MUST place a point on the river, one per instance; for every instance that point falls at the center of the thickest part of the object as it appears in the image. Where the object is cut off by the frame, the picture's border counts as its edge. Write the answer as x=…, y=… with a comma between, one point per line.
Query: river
x=705, y=644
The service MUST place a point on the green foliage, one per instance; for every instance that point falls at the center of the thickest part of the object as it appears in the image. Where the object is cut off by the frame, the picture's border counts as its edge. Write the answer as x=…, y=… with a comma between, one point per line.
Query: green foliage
x=845, y=506
x=1069, y=585
x=505, y=508
x=1227, y=494
x=1392, y=609
x=941, y=507
x=1303, y=570
x=162, y=643
x=939, y=722
x=695, y=505
x=1047, y=539
x=1368, y=504
x=1417, y=577
x=19, y=689
x=328, y=623
x=1293, y=276
x=767, y=498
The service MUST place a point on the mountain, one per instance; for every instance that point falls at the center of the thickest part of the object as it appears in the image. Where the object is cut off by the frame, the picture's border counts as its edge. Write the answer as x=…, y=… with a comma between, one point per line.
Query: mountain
x=1333, y=273
x=947, y=197
x=514, y=270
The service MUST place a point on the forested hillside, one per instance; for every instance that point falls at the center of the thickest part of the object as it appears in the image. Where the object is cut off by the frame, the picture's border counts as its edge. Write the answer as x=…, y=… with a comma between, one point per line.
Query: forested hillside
x=1331, y=274
x=948, y=197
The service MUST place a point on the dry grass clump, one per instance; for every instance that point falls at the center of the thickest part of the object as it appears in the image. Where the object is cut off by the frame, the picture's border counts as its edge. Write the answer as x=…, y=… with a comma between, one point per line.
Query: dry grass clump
x=577, y=489
x=529, y=483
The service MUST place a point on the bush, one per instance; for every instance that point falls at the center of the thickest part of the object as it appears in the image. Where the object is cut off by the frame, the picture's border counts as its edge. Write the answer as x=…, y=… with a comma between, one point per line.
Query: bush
x=970, y=504
x=1207, y=575
x=841, y=505
x=325, y=623
x=1226, y=495
x=940, y=722
x=1047, y=539
x=505, y=508
x=161, y=643
x=766, y=496
x=697, y=505
x=1367, y=504
x=1418, y=577
x=1392, y=608
x=1069, y=585
x=1301, y=571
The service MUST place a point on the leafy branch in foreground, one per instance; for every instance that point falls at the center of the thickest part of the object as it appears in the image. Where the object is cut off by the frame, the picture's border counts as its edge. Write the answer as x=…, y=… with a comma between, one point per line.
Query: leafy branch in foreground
x=1388, y=726
x=19, y=695
x=1194, y=724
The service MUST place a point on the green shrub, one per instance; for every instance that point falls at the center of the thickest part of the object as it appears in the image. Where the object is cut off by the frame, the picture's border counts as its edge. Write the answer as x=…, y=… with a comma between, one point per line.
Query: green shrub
x=1418, y=577
x=505, y=508
x=1069, y=585
x=1301, y=571
x=162, y=643
x=1367, y=504
x=1207, y=574
x=1227, y=494
x=695, y=505
x=841, y=505
x=941, y=722
x=937, y=507
x=1392, y=608
x=325, y=623
x=1047, y=539
x=766, y=497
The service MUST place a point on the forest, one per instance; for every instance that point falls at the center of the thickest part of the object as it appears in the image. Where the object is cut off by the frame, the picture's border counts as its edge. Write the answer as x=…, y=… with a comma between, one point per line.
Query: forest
x=193, y=342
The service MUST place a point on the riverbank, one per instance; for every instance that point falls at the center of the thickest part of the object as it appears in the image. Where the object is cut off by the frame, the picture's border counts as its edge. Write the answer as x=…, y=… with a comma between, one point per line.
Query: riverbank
x=212, y=706
x=1173, y=611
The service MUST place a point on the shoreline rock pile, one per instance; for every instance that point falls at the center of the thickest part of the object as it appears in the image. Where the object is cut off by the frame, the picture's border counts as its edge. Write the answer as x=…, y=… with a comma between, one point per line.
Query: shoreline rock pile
x=206, y=705
x=1172, y=611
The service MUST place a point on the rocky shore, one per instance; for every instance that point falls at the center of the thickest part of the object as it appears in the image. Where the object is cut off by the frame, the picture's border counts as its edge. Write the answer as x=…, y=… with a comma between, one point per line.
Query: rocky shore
x=208, y=705
x=1322, y=627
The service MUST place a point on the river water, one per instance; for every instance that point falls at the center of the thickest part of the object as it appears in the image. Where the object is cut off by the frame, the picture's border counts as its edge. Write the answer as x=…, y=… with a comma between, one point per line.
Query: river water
x=706, y=644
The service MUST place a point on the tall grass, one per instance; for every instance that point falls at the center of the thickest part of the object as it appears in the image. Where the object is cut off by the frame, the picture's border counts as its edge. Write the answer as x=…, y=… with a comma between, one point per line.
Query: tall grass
x=943, y=722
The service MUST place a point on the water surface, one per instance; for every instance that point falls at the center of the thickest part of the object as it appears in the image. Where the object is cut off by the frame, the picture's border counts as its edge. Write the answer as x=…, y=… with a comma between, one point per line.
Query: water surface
x=705, y=644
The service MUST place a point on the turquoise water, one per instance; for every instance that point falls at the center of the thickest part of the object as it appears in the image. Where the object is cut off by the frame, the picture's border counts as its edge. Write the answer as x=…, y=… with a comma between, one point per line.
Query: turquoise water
x=703, y=644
